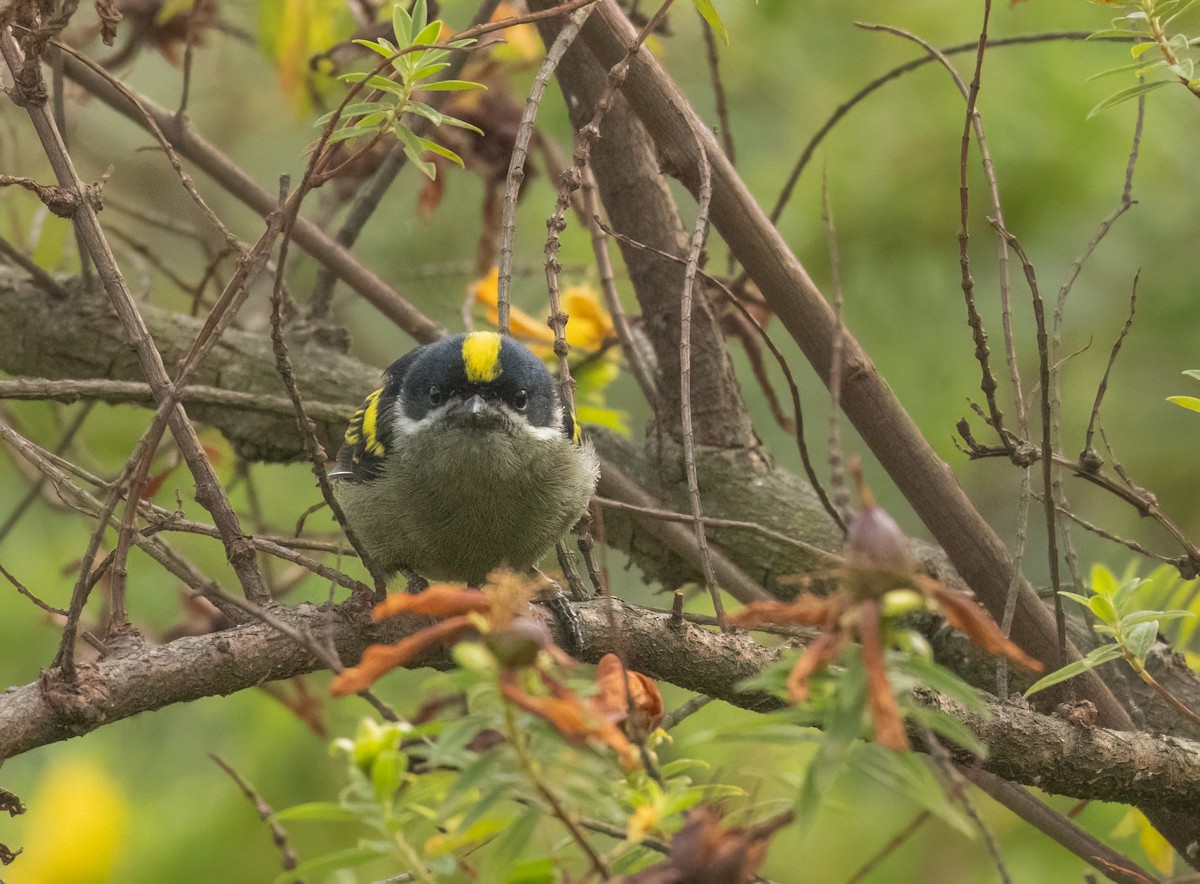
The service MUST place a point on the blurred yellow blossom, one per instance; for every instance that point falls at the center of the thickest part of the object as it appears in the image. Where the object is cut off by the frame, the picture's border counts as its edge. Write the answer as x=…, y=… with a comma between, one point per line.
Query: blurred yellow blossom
x=77, y=823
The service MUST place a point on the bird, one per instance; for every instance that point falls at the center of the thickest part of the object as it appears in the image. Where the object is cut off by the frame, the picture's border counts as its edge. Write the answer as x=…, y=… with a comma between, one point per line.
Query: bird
x=463, y=461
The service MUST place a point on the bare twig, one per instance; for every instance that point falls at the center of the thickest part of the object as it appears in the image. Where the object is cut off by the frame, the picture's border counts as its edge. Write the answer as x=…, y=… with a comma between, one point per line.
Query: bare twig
x=516, y=165
x=279, y=835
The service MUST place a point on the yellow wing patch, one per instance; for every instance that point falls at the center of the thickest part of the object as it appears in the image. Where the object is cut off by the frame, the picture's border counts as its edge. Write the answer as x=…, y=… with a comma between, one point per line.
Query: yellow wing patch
x=481, y=357
x=363, y=427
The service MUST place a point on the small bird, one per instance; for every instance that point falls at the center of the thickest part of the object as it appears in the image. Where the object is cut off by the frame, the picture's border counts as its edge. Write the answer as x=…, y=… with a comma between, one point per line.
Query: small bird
x=465, y=460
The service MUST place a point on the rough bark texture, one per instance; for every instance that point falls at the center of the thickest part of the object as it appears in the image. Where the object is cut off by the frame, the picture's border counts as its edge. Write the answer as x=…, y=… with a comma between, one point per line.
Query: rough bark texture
x=81, y=337
x=1024, y=746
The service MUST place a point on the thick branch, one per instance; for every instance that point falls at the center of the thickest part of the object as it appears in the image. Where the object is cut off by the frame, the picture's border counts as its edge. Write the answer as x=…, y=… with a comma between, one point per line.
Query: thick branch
x=81, y=337
x=925, y=480
x=1024, y=747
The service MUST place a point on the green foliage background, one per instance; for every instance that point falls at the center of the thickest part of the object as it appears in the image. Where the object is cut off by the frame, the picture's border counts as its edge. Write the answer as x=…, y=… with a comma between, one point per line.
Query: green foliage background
x=892, y=171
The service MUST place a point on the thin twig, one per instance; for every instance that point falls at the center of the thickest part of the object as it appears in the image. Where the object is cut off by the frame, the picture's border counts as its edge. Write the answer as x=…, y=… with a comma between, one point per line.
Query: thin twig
x=780, y=359
x=279, y=834
x=679, y=713
x=516, y=165
x=304, y=425
x=714, y=522
x=891, y=847
x=41, y=389
x=366, y=203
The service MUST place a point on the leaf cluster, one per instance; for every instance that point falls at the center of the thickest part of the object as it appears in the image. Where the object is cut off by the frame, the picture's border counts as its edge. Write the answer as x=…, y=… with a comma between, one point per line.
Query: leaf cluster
x=415, y=58
x=1123, y=617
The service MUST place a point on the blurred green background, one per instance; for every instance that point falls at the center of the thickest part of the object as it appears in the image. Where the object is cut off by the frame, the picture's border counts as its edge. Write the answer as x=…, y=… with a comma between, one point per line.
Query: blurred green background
x=139, y=801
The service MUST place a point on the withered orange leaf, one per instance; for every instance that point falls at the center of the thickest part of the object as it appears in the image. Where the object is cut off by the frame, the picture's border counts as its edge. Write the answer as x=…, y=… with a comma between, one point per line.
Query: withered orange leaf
x=378, y=660
x=567, y=713
x=963, y=614
x=822, y=651
x=885, y=711
x=806, y=610
x=440, y=600
x=618, y=686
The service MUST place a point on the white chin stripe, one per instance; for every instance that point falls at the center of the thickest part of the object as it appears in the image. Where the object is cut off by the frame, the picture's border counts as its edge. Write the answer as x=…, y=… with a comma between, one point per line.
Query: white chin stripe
x=403, y=425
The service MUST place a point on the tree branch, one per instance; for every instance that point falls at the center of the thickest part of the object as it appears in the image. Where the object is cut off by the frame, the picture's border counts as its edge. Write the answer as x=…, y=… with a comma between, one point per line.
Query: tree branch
x=1024, y=746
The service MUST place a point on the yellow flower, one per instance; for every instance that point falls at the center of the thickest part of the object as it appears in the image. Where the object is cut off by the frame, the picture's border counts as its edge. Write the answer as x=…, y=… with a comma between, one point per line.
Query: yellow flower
x=588, y=330
x=77, y=823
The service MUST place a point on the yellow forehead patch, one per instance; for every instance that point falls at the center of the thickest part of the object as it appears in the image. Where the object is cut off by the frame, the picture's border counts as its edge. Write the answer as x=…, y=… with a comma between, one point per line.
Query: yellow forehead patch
x=481, y=357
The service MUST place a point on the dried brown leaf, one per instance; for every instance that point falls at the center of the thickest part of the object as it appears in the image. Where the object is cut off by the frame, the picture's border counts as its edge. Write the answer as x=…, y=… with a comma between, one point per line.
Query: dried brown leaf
x=617, y=686
x=440, y=600
x=963, y=614
x=805, y=610
x=820, y=653
x=881, y=700
x=378, y=660
x=567, y=713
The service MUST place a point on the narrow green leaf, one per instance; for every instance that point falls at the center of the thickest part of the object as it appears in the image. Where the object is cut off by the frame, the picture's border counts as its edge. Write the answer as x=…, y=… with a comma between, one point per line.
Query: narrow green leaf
x=709, y=14
x=1120, y=69
x=1075, y=597
x=325, y=811
x=511, y=844
x=1191, y=403
x=427, y=70
x=381, y=47
x=434, y=147
x=428, y=34
x=943, y=681
x=1103, y=608
x=1102, y=654
x=402, y=24
x=451, y=86
x=1146, y=616
x=1193, y=373
x=1141, y=638
x=461, y=124
x=1126, y=94
x=330, y=862
x=1139, y=49
x=949, y=727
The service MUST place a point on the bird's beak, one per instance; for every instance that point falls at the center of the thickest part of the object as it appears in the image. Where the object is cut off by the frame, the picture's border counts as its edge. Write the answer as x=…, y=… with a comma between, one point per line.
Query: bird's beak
x=476, y=406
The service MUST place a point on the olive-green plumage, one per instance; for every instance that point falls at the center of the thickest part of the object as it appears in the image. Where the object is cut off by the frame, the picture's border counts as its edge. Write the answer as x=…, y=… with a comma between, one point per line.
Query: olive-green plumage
x=463, y=462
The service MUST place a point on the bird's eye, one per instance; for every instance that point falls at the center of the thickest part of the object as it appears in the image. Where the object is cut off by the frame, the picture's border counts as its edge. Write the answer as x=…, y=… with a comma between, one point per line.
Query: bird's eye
x=520, y=400
x=435, y=395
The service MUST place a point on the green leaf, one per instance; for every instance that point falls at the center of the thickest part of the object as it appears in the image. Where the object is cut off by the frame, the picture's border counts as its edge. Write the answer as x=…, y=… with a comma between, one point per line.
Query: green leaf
x=949, y=728
x=451, y=86
x=904, y=773
x=434, y=147
x=943, y=681
x=383, y=84
x=1126, y=94
x=709, y=14
x=1098, y=656
x=1146, y=616
x=402, y=23
x=330, y=862
x=1191, y=403
x=1138, y=49
x=386, y=773
x=381, y=46
x=325, y=811
x=427, y=71
x=511, y=843
x=1102, y=607
x=533, y=871
x=1076, y=597
x=428, y=35
x=1140, y=638
x=1193, y=373
x=355, y=110
x=1103, y=581
x=412, y=150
